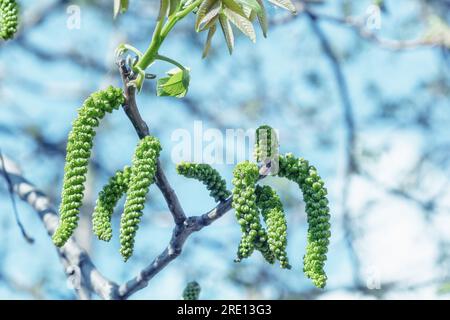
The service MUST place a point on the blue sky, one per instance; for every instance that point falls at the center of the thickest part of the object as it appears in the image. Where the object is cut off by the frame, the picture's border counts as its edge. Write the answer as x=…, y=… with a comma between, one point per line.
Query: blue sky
x=267, y=76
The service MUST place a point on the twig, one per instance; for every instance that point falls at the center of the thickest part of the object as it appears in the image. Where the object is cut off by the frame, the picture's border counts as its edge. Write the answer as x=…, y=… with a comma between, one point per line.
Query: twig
x=27, y=238
x=359, y=27
x=75, y=260
x=142, y=130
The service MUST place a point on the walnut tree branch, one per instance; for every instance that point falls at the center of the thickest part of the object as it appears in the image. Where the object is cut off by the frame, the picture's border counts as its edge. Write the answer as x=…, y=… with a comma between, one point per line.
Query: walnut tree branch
x=184, y=226
x=78, y=266
x=142, y=130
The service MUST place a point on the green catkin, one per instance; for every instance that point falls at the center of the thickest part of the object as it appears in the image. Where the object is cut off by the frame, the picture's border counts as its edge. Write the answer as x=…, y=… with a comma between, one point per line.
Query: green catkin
x=245, y=176
x=9, y=19
x=267, y=147
x=208, y=176
x=262, y=245
x=79, y=145
x=142, y=177
x=107, y=201
x=314, y=194
x=192, y=291
x=273, y=213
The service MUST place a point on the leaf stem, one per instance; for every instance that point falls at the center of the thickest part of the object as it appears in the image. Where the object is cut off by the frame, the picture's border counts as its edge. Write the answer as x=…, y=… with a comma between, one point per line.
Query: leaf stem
x=161, y=31
x=169, y=60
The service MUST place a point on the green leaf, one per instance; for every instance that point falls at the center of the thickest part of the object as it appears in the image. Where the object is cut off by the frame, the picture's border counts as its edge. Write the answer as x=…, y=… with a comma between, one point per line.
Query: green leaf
x=233, y=6
x=252, y=4
x=211, y=32
x=211, y=17
x=241, y=23
x=227, y=31
x=175, y=85
x=205, y=7
x=285, y=4
x=120, y=6
x=262, y=18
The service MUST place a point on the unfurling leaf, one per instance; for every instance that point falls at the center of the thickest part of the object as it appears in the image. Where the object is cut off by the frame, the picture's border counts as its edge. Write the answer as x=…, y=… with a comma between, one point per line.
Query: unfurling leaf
x=262, y=18
x=211, y=33
x=241, y=23
x=234, y=6
x=175, y=85
x=211, y=17
x=205, y=7
x=254, y=5
x=227, y=32
x=285, y=4
x=120, y=6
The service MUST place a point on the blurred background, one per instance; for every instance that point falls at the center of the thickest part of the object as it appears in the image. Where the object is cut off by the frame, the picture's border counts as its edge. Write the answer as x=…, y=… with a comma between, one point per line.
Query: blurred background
x=359, y=88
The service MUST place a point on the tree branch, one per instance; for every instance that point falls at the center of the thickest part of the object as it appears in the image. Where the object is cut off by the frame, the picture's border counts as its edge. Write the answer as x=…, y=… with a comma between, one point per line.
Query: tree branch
x=358, y=25
x=184, y=226
x=77, y=264
x=131, y=109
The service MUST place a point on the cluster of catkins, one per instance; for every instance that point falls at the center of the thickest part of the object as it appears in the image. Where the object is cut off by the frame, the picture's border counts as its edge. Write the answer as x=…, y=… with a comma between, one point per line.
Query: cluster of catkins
x=192, y=291
x=259, y=210
x=250, y=199
x=134, y=180
x=9, y=18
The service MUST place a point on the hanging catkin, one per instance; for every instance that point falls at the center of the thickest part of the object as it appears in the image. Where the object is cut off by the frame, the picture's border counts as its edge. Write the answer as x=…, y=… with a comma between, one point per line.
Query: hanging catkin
x=267, y=148
x=208, y=176
x=107, y=201
x=274, y=217
x=9, y=18
x=314, y=194
x=79, y=147
x=245, y=176
x=142, y=177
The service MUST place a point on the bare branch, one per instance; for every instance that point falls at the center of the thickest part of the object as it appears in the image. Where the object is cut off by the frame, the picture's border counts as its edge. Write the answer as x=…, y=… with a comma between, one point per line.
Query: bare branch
x=75, y=260
x=359, y=26
x=25, y=235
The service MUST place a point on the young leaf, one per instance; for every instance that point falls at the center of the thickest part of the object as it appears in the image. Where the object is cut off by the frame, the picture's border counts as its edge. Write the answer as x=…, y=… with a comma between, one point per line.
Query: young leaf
x=248, y=11
x=211, y=17
x=120, y=6
x=175, y=85
x=227, y=32
x=252, y=4
x=205, y=7
x=211, y=32
x=242, y=23
x=285, y=4
x=234, y=6
x=262, y=18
